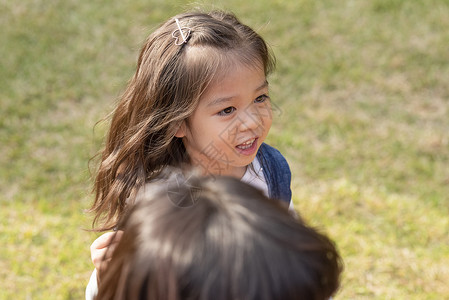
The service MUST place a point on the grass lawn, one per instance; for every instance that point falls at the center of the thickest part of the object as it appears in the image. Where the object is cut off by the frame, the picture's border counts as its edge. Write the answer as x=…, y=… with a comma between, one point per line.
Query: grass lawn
x=362, y=91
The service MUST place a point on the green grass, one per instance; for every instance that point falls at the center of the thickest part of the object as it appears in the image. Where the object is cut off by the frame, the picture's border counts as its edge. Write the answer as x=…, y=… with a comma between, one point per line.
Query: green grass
x=363, y=92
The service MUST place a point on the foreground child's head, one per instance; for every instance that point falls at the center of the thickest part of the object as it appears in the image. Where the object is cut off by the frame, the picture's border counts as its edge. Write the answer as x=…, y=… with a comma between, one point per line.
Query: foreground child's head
x=199, y=96
x=232, y=243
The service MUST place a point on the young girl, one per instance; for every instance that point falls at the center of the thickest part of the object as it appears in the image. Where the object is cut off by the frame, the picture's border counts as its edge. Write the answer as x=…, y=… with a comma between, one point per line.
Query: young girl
x=199, y=98
x=221, y=247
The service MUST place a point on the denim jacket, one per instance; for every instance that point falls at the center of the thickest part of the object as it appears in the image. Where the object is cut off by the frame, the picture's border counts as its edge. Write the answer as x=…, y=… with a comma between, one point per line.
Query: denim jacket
x=276, y=171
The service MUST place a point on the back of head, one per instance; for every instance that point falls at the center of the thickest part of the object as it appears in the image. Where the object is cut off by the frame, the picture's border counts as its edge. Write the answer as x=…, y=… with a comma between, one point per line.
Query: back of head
x=232, y=243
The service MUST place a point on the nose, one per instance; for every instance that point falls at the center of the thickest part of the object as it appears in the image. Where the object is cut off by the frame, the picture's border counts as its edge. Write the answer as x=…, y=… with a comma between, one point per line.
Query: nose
x=250, y=119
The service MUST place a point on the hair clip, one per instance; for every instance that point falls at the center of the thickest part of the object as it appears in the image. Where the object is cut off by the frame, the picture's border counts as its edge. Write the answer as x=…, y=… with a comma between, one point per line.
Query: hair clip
x=183, y=31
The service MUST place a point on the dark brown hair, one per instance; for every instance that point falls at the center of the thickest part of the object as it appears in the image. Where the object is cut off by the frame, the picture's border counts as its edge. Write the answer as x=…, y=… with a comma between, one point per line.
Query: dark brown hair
x=164, y=92
x=232, y=243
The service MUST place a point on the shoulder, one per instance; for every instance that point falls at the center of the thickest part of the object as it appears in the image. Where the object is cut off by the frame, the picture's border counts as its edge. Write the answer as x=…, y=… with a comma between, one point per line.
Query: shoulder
x=267, y=148
x=276, y=171
x=269, y=154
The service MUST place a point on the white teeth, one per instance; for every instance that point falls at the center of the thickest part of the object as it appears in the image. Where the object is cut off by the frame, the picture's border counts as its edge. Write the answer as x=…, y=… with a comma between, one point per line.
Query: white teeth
x=246, y=145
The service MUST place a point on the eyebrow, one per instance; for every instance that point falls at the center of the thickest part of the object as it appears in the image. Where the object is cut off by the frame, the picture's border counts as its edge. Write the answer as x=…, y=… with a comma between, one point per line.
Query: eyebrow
x=227, y=99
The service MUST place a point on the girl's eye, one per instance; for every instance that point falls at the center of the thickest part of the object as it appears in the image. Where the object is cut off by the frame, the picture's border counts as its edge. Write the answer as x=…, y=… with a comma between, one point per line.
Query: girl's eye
x=227, y=111
x=262, y=98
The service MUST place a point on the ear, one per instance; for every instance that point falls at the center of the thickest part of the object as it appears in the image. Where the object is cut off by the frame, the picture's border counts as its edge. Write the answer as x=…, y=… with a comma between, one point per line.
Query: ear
x=181, y=132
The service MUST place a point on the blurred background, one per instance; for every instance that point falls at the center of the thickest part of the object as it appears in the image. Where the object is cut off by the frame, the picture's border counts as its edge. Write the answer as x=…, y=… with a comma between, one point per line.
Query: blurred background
x=362, y=97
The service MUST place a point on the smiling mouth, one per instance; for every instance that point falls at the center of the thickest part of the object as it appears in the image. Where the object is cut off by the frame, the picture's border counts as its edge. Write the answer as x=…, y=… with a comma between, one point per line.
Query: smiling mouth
x=247, y=144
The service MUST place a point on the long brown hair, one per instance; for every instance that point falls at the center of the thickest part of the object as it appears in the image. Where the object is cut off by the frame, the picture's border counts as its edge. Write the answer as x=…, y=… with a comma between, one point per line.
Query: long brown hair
x=231, y=243
x=163, y=92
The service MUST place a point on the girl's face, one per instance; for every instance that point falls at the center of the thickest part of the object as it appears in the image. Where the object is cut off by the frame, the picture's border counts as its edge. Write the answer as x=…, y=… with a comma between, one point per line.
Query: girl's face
x=231, y=121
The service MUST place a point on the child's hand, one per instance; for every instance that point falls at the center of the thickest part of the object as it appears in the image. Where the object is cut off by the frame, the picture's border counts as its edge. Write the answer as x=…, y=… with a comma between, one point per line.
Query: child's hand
x=104, y=245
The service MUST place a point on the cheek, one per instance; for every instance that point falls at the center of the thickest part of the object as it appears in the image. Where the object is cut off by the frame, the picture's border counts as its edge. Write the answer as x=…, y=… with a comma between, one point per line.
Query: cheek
x=193, y=126
x=201, y=133
x=268, y=120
